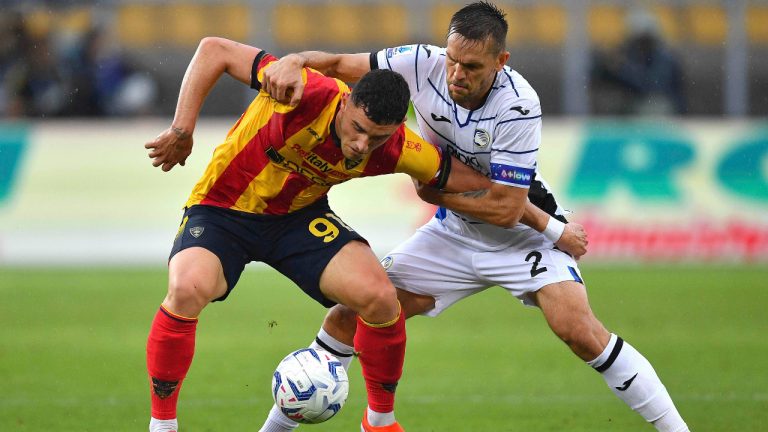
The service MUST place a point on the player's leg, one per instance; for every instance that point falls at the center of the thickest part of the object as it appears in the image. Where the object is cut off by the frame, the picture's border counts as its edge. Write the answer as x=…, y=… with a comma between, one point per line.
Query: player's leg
x=355, y=278
x=628, y=374
x=336, y=336
x=205, y=263
x=195, y=279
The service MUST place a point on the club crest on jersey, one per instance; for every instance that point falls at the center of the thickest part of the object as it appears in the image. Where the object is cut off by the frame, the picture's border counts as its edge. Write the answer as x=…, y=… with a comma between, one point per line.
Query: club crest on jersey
x=392, y=52
x=482, y=138
x=387, y=262
x=196, y=231
x=351, y=164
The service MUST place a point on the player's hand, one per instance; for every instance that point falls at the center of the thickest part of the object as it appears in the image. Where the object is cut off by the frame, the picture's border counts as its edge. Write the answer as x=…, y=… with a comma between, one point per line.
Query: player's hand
x=574, y=240
x=283, y=80
x=171, y=147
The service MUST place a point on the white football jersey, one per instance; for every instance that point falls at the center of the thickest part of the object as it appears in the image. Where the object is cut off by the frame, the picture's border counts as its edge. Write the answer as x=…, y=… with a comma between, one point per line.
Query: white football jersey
x=500, y=139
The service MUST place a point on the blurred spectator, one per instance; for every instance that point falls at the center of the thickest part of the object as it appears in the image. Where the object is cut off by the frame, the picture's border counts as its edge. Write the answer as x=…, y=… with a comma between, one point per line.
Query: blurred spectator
x=83, y=75
x=103, y=82
x=642, y=76
x=31, y=85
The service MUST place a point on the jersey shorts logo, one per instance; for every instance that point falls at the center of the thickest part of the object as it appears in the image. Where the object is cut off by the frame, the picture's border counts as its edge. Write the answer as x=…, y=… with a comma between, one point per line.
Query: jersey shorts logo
x=387, y=262
x=196, y=231
x=392, y=52
x=510, y=174
x=482, y=138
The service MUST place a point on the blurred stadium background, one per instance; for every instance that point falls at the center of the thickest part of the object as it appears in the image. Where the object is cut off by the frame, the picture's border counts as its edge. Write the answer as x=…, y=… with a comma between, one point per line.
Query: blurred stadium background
x=665, y=166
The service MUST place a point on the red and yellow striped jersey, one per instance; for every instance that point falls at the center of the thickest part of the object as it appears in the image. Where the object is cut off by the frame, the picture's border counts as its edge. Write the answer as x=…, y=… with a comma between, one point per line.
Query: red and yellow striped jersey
x=277, y=159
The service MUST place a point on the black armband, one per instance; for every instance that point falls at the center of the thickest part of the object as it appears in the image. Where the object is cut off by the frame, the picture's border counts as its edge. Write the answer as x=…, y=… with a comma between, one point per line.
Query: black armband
x=445, y=170
x=255, y=84
x=374, y=60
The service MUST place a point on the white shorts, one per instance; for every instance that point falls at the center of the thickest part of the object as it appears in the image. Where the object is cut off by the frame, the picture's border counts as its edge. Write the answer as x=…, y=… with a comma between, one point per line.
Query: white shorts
x=435, y=263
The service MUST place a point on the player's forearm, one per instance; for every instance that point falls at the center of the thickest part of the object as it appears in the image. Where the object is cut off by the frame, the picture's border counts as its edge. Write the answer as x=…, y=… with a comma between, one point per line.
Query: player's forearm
x=534, y=217
x=483, y=205
x=346, y=67
x=203, y=71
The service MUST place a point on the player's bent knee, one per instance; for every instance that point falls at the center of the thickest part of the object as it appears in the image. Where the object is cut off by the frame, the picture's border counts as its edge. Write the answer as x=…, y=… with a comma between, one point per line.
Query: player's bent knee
x=378, y=305
x=585, y=336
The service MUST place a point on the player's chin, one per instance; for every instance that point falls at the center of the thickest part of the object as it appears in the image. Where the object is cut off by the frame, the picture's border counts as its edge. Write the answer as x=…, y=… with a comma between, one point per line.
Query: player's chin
x=458, y=95
x=352, y=155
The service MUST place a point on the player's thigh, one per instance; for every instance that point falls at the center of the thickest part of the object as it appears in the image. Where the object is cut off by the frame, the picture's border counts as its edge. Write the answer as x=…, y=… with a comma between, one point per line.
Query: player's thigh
x=207, y=256
x=327, y=259
x=432, y=265
x=355, y=278
x=523, y=270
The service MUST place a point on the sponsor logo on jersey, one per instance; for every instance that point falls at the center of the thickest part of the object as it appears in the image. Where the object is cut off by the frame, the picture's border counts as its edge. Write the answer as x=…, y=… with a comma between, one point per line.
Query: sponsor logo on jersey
x=467, y=159
x=314, y=134
x=387, y=262
x=312, y=174
x=196, y=231
x=520, y=109
x=392, y=52
x=482, y=138
x=440, y=118
x=511, y=174
x=317, y=162
x=413, y=145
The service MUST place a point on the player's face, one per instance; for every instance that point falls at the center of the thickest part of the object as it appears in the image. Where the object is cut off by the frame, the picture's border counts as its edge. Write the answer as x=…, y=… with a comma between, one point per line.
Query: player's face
x=358, y=134
x=470, y=68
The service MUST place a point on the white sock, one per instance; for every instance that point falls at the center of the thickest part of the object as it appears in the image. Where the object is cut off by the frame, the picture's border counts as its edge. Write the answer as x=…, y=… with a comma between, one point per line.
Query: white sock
x=632, y=378
x=380, y=419
x=276, y=420
x=329, y=343
x=156, y=425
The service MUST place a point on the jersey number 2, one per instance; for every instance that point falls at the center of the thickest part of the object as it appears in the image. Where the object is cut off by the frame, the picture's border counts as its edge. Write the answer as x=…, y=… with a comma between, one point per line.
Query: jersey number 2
x=535, y=270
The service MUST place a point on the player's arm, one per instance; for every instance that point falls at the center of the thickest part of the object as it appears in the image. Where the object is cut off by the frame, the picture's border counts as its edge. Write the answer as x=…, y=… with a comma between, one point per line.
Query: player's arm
x=283, y=78
x=462, y=178
x=213, y=58
x=498, y=205
x=569, y=237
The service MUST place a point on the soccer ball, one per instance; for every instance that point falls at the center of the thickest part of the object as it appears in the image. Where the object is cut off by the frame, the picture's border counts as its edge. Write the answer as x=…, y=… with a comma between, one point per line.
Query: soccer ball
x=310, y=385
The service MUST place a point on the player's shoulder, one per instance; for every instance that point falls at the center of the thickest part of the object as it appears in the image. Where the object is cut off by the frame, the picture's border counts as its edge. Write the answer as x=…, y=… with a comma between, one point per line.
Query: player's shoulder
x=515, y=97
x=421, y=50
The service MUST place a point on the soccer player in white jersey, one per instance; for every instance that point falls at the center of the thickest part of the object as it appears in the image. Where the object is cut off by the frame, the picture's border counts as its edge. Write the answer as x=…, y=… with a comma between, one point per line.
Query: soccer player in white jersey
x=489, y=117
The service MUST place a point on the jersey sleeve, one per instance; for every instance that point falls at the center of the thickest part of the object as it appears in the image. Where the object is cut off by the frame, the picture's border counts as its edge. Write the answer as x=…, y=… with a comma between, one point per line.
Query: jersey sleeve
x=418, y=158
x=413, y=62
x=515, y=148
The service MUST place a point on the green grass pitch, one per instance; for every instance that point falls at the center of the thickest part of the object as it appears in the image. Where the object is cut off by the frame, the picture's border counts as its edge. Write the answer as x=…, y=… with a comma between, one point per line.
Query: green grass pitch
x=72, y=354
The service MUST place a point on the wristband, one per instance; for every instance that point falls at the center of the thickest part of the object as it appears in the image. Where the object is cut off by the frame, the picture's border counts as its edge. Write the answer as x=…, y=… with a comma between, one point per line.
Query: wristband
x=554, y=230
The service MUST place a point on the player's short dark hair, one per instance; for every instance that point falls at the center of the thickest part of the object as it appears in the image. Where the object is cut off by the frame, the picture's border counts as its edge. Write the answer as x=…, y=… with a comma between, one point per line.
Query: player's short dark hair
x=479, y=21
x=383, y=95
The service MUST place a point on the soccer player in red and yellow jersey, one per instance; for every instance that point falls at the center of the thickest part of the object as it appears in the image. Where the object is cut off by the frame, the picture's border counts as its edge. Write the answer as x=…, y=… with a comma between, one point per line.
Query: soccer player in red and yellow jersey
x=263, y=198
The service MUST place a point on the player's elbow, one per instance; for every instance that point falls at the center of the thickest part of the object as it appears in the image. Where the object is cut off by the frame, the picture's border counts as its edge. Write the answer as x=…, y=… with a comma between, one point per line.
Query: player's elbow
x=507, y=217
x=210, y=44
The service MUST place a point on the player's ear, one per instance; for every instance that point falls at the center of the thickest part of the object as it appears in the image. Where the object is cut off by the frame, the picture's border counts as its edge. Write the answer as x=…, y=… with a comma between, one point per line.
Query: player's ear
x=502, y=60
x=344, y=101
